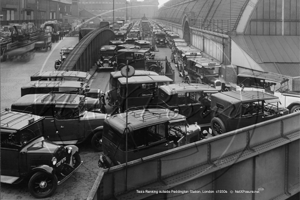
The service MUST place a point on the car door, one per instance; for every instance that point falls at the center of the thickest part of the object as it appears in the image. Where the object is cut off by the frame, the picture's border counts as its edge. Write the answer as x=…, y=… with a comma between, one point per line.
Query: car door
x=67, y=124
x=9, y=161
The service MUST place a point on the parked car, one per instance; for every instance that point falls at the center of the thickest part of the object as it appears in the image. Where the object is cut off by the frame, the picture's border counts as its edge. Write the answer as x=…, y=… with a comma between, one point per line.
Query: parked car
x=142, y=91
x=150, y=131
x=67, y=120
x=111, y=94
x=236, y=109
x=26, y=154
x=191, y=100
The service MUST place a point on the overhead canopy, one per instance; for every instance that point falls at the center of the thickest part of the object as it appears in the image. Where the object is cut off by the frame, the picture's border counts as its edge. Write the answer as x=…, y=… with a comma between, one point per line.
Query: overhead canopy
x=275, y=54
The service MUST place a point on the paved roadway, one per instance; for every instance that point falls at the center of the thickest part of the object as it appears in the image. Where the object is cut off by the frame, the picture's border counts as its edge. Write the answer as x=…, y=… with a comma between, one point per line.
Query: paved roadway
x=13, y=75
x=16, y=73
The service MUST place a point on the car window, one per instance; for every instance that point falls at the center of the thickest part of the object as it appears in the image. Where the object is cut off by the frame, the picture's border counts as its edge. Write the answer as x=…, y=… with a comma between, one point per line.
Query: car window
x=146, y=136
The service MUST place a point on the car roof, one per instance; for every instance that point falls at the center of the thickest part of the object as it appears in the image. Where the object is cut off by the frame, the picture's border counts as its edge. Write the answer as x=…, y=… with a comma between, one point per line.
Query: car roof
x=142, y=41
x=108, y=47
x=145, y=79
x=133, y=50
x=50, y=98
x=243, y=96
x=11, y=120
x=61, y=74
x=178, y=40
x=118, y=74
x=184, y=87
x=142, y=118
x=52, y=84
x=204, y=62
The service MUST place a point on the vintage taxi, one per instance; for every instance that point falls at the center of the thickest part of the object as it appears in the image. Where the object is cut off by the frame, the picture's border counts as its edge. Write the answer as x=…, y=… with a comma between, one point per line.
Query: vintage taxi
x=111, y=94
x=190, y=100
x=150, y=131
x=236, y=109
x=27, y=155
x=107, y=57
x=142, y=91
x=67, y=120
x=135, y=57
x=203, y=70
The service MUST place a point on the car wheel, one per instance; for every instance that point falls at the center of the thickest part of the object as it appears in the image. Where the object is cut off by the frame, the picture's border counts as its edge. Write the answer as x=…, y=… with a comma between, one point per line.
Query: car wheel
x=217, y=126
x=295, y=108
x=42, y=184
x=97, y=141
x=76, y=160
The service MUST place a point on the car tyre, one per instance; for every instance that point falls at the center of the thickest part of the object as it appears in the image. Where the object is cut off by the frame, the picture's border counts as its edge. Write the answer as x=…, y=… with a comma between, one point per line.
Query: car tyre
x=76, y=160
x=217, y=126
x=97, y=141
x=42, y=184
x=295, y=108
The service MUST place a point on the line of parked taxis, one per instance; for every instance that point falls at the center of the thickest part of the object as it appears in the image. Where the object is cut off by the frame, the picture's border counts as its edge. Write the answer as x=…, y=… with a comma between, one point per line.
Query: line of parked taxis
x=56, y=110
x=50, y=118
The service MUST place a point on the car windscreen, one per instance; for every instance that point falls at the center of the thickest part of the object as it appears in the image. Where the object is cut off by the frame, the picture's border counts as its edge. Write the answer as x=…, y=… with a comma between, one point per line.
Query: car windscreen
x=107, y=53
x=132, y=35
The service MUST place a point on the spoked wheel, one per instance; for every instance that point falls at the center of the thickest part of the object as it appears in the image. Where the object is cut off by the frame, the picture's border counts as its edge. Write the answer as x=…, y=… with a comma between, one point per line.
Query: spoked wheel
x=217, y=126
x=295, y=108
x=97, y=141
x=42, y=184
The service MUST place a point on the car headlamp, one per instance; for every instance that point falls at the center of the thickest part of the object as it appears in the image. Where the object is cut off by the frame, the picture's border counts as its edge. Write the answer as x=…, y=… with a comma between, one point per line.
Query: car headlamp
x=54, y=161
x=69, y=149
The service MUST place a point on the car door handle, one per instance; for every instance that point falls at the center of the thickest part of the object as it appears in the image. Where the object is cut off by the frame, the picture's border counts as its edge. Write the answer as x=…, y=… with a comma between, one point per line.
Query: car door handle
x=52, y=121
x=61, y=126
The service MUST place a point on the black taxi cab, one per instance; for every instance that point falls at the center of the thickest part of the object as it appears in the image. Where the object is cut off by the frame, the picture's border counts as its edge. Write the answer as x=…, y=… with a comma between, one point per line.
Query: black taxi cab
x=27, y=155
x=236, y=109
x=67, y=120
x=111, y=94
x=190, y=100
x=150, y=131
x=142, y=91
x=203, y=70
x=107, y=57
x=135, y=57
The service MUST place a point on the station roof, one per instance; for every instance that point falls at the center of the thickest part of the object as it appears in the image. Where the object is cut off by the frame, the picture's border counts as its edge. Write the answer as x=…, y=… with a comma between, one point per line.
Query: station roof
x=139, y=119
x=184, y=87
x=277, y=54
x=145, y=79
x=207, y=14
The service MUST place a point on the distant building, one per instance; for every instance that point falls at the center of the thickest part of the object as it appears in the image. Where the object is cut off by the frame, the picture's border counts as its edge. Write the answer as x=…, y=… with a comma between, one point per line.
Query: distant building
x=37, y=11
x=137, y=9
x=104, y=8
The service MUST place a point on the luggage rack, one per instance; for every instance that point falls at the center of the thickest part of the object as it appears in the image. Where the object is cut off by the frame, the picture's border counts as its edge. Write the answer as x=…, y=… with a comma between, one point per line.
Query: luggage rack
x=147, y=114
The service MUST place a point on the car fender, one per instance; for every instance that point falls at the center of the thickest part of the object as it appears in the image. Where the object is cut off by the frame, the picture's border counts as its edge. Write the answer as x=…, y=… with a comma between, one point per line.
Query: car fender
x=99, y=128
x=293, y=104
x=74, y=148
x=43, y=168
